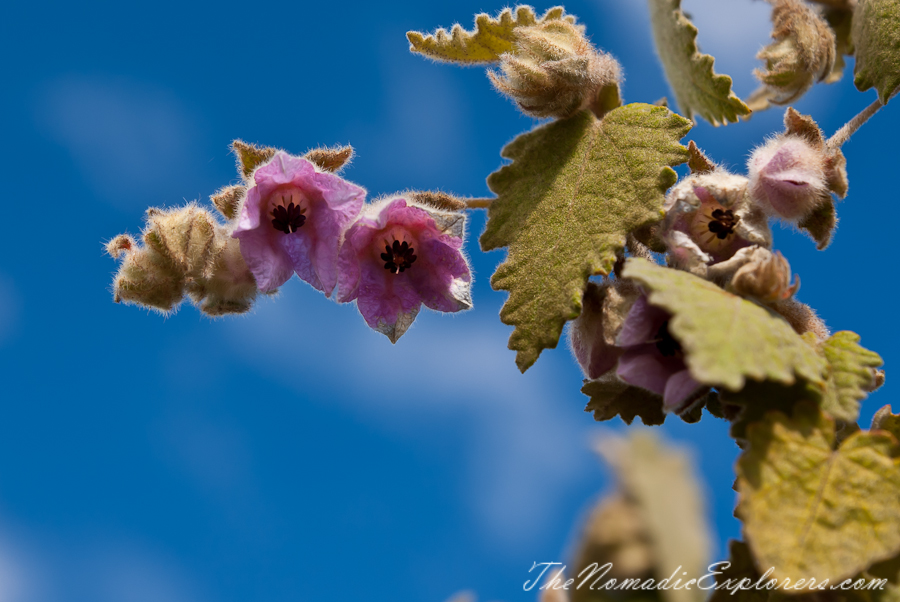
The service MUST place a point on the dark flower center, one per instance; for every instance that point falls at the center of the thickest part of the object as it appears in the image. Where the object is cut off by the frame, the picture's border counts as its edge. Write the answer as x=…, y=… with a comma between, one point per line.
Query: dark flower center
x=288, y=219
x=723, y=222
x=666, y=343
x=398, y=256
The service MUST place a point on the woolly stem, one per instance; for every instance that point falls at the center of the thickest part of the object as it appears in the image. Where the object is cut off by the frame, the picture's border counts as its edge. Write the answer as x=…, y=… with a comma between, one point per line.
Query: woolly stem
x=478, y=203
x=848, y=129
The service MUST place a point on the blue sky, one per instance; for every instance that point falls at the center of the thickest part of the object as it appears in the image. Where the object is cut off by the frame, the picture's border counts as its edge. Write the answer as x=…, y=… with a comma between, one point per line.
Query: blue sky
x=273, y=456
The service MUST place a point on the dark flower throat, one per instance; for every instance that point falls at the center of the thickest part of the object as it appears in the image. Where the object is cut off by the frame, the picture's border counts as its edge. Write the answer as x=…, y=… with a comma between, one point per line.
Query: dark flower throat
x=723, y=223
x=288, y=219
x=398, y=256
x=666, y=343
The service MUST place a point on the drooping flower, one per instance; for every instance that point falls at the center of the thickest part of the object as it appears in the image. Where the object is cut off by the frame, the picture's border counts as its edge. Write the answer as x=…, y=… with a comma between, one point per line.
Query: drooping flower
x=794, y=174
x=291, y=221
x=653, y=359
x=708, y=219
x=592, y=335
x=399, y=255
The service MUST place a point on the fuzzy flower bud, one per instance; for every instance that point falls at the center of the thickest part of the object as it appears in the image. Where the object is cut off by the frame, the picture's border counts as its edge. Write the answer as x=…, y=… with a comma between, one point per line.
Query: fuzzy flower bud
x=802, y=318
x=803, y=53
x=766, y=276
x=793, y=176
x=185, y=251
x=229, y=288
x=555, y=72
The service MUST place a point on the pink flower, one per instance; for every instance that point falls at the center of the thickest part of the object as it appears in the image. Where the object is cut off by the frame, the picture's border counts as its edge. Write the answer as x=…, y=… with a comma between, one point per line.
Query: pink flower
x=653, y=358
x=709, y=219
x=291, y=221
x=396, y=257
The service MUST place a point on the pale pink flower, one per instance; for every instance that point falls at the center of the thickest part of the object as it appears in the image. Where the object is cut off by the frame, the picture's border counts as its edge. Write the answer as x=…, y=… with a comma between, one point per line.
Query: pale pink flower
x=291, y=221
x=398, y=256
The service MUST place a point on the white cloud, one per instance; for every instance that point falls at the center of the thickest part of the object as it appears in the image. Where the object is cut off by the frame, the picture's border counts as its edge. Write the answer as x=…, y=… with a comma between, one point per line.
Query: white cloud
x=134, y=143
x=422, y=126
x=522, y=450
x=40, y=567
x=732, y=31
x=10, y=308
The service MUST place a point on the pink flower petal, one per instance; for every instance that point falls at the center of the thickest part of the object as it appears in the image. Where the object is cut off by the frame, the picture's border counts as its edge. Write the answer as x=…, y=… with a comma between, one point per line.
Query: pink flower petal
x=643, y=366
x=265, y=257
x=642, y=323
x=680, y=388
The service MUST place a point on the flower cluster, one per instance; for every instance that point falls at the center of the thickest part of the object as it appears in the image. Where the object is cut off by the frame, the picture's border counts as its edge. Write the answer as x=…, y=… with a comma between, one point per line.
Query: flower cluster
x=293, y=215
x=716, y=226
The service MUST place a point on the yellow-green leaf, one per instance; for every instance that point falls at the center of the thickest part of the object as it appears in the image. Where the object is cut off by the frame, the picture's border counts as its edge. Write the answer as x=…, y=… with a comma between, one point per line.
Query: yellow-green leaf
x=813, y=511
x=885, y=420
x=662, y=485
x=491, y=37
x=698, y=89
x=575, y=188
x=851, y=374
x=726, y=339
x=876, y=35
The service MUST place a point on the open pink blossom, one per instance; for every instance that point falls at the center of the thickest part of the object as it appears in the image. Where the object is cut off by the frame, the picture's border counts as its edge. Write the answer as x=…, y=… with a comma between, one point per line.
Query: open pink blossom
x=653, y=359
x=291, y=221
x=399, y=255
x=709, y=218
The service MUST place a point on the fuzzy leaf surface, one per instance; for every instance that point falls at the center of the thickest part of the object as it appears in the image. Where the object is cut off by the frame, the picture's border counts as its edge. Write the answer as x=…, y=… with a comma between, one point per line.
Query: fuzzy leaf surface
x=876, y=35
x=726, y=339
x=850, y=375
x=575, y=188
x=491, y=37
x=810, y=510
x=698, y=89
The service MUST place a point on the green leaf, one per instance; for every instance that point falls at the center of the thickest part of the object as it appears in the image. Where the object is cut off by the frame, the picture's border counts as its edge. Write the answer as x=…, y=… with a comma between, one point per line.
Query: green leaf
x=876, y=35
x=575, y=188
x=757, y=399
x=850, y=376
x=490, y=38
x=810, y=510
x=698, y=89
x=610, y=397
x=660, y=482
x=726, y=339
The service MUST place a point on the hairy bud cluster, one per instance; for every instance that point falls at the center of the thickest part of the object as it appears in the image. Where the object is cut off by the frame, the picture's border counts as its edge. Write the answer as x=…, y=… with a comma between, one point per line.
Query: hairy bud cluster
x=803, y=53
x=556, y=72
x=185, y=252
